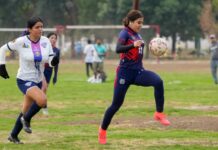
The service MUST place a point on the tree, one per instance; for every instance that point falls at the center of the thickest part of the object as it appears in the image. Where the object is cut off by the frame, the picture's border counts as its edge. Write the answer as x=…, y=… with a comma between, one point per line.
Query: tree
x=176, y=18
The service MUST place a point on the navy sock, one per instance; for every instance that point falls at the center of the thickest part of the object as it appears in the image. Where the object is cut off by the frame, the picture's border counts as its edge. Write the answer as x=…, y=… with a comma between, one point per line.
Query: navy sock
x=32, y=111
x=17, y=127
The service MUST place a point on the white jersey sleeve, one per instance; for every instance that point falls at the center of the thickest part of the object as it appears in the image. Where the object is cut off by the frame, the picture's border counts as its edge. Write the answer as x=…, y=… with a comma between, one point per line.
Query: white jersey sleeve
x=12, y=46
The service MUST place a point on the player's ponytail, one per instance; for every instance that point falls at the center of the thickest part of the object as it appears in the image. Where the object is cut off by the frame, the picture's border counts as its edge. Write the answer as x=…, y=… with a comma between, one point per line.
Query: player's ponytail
x=125, y=21
x=25, y=32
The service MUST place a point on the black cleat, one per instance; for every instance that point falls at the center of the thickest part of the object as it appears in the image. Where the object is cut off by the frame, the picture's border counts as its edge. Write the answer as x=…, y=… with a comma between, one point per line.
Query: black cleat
x=26, y=125
x=15, y=140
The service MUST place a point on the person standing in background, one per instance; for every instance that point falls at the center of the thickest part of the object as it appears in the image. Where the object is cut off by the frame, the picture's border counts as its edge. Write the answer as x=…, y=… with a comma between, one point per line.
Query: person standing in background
x=89, y=52
x=214, y=57
x=48, y=70
x=98, y=62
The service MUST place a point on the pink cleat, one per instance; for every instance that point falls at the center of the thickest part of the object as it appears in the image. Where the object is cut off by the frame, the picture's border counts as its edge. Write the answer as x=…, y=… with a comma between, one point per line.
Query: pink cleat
x=161, y=117
x=102, y=139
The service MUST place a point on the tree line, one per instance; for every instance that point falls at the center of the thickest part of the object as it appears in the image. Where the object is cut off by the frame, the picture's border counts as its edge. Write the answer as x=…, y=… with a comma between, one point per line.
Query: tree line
x=181, y=18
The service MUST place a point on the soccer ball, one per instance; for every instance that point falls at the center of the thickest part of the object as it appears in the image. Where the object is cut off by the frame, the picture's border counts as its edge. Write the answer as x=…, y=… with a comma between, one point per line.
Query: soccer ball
x=158, y=46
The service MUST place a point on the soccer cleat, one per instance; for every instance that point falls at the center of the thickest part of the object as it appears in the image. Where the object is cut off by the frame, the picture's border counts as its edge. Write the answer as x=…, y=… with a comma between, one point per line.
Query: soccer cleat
x=161, y=117
x=102, y=136
x=26, y=125
x=14, y=140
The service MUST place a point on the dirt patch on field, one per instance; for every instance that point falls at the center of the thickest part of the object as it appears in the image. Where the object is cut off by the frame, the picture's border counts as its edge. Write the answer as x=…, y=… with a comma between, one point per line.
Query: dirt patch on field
x=203, y=123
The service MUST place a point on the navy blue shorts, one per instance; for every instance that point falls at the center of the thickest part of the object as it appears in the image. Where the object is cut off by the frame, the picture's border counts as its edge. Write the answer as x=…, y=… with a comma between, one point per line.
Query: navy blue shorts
x=25, y=85
x=48, y=74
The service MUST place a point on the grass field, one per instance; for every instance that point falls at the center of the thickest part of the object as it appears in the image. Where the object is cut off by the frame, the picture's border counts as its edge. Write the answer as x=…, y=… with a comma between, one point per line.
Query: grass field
x=77, y=107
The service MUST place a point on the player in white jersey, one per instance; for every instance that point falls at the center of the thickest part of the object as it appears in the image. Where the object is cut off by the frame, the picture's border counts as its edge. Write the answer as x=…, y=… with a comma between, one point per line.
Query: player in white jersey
x=34, y=50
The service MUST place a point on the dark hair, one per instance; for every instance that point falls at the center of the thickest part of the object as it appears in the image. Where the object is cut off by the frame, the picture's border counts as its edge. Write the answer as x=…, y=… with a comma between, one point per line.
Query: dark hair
x=89, y=41
x=25, y=32
x=50, y=34
x=132, y=16
x=32, y=21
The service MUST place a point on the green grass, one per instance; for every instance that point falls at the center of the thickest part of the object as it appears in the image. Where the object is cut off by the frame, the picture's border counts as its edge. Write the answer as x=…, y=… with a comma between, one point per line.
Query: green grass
x=77, y=107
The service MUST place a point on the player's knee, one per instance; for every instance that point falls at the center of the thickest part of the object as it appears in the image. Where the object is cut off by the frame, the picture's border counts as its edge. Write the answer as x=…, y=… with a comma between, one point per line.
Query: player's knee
x=158, y=83
x=42, y=102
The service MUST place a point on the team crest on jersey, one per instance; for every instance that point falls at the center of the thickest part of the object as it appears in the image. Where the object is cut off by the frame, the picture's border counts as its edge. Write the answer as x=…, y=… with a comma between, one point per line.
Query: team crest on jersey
x=28, y=84
x=122, y=81
x=44, y=45
x=25, y=45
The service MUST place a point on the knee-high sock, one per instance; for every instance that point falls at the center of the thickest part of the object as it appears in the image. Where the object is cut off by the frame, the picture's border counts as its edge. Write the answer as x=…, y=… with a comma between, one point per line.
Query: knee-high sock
x=17, y=127
x=32, y=111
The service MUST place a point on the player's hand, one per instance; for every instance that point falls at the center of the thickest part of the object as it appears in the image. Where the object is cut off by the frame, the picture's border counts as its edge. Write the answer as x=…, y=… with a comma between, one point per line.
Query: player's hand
x=3, y=72
x=138, y=43
x=55, y=61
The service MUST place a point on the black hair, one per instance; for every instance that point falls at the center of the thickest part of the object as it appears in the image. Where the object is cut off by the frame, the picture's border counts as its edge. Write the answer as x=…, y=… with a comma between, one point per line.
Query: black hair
x=132, y=16
x=52, y=33
x=32, y=21
x=89, y=41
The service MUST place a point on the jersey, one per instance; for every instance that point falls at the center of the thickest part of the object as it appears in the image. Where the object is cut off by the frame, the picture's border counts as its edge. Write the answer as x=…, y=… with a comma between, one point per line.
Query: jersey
x=32, y=57
x=133, y=58
x=214, y=51
x=101, y=51
x=89, y=52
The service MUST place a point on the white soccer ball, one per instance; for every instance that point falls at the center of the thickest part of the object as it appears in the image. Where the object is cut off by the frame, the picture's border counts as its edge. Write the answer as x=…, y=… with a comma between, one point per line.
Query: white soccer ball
x=158, y=46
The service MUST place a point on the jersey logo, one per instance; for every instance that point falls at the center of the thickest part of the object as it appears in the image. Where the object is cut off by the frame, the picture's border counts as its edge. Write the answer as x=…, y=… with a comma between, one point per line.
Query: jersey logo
x=25, y=45
x=28, y=84
x=122, y=81
x=44, y=45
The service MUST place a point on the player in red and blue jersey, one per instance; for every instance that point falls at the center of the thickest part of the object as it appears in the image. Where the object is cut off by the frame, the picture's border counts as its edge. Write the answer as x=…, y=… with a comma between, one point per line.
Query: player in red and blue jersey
x=130, y=71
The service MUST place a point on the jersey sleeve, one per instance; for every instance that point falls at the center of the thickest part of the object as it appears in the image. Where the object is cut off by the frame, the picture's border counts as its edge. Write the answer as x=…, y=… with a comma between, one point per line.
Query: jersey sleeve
x=12, y=46
x=121, y=43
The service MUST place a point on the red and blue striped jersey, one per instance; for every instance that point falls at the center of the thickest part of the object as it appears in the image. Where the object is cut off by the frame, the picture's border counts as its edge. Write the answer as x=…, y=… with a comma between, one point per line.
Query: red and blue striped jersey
x=132, y=57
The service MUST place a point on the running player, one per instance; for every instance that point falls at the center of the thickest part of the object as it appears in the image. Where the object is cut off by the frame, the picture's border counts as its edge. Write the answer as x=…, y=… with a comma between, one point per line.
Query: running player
x=48, y=70
x=34, y=50
x=130, y=71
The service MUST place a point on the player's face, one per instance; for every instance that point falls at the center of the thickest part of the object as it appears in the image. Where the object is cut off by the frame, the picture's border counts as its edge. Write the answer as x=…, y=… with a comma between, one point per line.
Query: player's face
x=137, y=24
x=36, y=30
x=53, y=40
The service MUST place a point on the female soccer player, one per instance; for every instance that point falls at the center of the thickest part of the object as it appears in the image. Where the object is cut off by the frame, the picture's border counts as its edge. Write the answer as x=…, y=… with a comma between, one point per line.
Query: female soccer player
x=34, y=50
x=130, y=71
x=48, y=70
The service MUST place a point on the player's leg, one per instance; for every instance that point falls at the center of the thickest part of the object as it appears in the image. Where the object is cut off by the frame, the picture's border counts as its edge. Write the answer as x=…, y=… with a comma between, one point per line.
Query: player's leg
x=95, y=69
x=36, y=94
x=149, y=78
x=87, y=69
x=213, y=67
x=121, y=86
x=45, y=84
x=13, y=137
